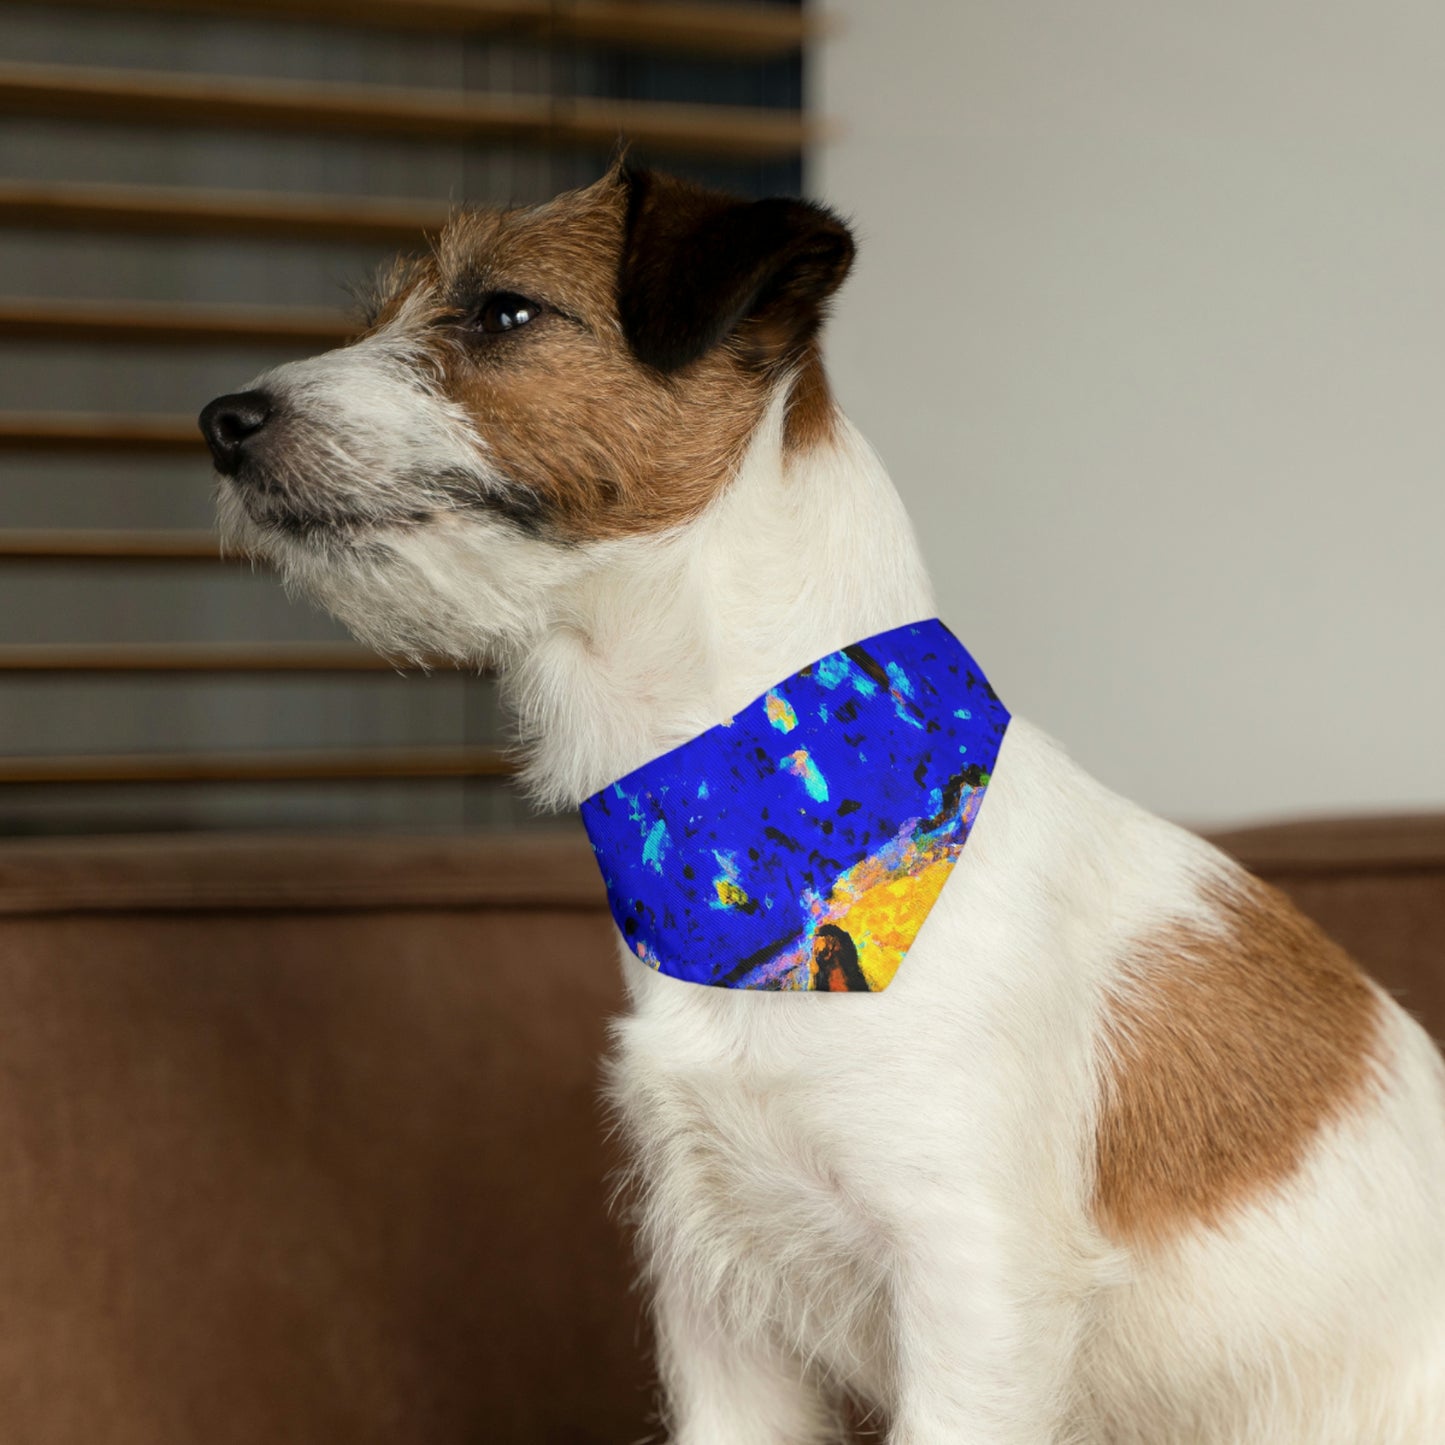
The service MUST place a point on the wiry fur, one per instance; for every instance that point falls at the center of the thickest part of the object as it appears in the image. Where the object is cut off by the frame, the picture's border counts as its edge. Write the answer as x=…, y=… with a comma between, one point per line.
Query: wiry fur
x=895, y=1196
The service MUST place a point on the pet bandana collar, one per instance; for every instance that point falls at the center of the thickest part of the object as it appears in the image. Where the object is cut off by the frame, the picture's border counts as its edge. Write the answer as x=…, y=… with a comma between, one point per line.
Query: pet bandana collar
x=801, y=844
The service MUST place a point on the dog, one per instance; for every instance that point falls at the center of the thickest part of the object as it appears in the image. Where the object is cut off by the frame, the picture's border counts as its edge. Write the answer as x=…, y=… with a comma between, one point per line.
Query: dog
x=1128, y=1153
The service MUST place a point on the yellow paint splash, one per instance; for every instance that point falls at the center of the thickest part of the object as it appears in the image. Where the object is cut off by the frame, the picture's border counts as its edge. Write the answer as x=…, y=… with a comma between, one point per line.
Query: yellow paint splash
x=884, y=915
x=729, y=894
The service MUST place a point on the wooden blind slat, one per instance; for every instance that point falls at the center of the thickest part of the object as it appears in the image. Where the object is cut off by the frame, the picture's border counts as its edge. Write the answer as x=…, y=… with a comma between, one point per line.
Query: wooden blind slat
x=108, y=546
x=160, y=98
x=360, y=764
x=757, y=31
x=181, y=657
x=172, y=210
x=168, y=323
x=92, y=431
x=112, y=96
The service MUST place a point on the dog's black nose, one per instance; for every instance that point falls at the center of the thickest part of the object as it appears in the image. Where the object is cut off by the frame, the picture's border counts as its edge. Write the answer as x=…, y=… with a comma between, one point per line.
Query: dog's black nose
x=229, y=422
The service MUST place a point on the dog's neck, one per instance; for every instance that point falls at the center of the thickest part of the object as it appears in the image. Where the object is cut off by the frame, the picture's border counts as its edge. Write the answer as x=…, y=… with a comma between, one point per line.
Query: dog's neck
x=665, y=637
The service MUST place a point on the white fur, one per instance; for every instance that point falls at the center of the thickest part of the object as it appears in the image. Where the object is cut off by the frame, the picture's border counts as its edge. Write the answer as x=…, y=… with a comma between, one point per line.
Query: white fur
x=890, y=1194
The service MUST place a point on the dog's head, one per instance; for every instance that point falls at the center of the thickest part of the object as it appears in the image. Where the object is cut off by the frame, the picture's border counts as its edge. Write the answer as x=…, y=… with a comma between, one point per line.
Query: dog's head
x=546, y=382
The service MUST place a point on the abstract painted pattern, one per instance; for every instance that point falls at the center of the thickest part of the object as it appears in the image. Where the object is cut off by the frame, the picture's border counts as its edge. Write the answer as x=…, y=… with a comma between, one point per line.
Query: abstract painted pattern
x=800, y=845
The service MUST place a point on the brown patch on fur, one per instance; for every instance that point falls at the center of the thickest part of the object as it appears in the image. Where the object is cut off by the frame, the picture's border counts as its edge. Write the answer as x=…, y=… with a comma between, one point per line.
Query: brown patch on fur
x=596, y=442
x=1229, y=1051
x=812, y=413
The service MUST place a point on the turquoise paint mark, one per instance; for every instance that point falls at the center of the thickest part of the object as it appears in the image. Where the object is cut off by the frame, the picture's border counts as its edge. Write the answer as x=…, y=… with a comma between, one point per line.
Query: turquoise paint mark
x=900, y=679
x=900, y=689
x=655, y=848
x=702, y=789
x=964, y=713
x=801, y=765
x=836, y=668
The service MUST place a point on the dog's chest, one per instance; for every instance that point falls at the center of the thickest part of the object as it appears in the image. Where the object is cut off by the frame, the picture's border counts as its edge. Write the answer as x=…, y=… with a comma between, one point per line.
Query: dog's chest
x=749, y=1184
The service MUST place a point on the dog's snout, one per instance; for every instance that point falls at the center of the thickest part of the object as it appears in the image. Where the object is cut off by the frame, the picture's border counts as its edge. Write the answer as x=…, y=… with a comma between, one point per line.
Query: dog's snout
x=229, y=422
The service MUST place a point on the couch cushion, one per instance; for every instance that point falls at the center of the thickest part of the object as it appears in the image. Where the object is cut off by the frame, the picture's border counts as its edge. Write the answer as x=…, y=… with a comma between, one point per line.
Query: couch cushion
x=299, y=1141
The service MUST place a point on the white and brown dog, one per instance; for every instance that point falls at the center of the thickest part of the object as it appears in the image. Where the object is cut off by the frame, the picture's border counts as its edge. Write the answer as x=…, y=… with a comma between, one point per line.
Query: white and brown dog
x=1129, y=1152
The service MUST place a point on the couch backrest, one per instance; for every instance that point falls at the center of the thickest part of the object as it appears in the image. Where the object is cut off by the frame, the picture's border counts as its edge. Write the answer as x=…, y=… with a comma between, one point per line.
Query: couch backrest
x=300, y=1142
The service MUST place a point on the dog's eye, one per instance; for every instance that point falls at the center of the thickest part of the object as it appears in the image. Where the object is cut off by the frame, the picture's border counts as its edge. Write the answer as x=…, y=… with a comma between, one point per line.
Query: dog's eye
x=505, y=311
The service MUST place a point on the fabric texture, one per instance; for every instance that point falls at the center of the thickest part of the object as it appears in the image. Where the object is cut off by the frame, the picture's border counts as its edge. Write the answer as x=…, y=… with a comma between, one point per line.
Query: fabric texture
x=800, y=845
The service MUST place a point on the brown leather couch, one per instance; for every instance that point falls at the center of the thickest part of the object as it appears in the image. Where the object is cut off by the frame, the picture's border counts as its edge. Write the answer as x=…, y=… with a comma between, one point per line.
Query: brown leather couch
x=300, y=1142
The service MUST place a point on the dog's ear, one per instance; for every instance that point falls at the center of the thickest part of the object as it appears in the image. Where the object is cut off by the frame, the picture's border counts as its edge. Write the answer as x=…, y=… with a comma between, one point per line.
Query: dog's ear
x=699, y=267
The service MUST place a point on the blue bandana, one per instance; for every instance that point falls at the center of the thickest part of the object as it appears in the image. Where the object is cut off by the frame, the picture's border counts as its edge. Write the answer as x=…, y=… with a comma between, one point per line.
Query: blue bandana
x=801, y=844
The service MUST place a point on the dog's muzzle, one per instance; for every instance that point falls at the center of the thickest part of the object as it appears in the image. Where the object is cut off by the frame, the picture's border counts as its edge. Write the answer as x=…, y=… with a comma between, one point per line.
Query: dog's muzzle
x=231, y=424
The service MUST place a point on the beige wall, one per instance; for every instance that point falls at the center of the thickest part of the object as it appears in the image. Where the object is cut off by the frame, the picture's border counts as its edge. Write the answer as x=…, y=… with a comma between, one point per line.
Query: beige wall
x=1149, y=324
